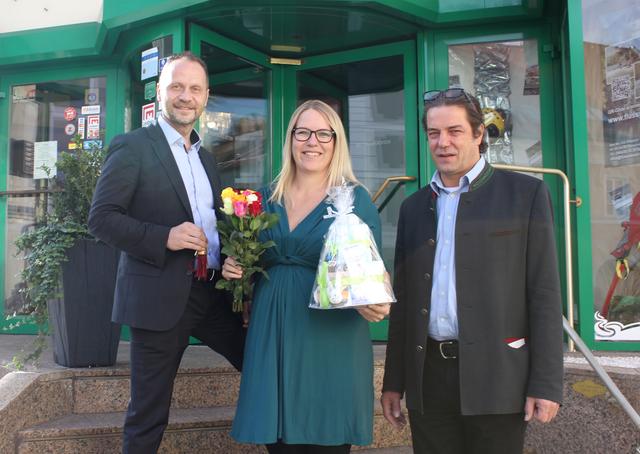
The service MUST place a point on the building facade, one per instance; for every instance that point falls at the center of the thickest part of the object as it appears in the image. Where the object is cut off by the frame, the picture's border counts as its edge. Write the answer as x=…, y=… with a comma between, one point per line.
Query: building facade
x=559, y=83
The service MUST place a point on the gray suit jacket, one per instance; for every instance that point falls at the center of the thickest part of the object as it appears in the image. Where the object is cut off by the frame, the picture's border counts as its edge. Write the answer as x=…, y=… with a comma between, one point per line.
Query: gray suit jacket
x=507, y=287
x=140, y=195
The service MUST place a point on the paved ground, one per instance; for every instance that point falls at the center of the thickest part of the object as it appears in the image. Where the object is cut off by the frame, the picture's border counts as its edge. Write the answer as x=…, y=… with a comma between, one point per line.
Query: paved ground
x=198, y=355
x=12, y=344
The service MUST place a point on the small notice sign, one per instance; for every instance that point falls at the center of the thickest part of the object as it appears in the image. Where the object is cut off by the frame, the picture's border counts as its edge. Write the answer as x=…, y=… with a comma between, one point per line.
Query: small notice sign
x=148, y=114
x=149, y=63
x=92, y=96
x=45, y=156
x=149, y=90
x=93, y=127
x=81, y=121
x=90, y=110
x=70, y=113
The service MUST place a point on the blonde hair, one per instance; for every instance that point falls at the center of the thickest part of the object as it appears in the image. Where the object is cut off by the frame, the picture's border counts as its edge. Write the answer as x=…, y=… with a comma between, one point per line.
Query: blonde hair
x=340, y=168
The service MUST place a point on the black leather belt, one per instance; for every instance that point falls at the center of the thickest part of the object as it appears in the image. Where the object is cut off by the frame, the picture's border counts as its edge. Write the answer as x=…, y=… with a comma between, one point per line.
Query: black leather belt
x=447, y=349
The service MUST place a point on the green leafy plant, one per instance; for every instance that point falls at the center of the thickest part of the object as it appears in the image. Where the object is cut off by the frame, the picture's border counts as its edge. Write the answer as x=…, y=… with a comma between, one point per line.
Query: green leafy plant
x=45, y=247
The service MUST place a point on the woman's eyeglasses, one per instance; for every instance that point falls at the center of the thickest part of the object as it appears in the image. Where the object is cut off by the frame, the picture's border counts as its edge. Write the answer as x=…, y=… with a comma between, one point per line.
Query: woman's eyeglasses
x=450, y=93
x=322, y=135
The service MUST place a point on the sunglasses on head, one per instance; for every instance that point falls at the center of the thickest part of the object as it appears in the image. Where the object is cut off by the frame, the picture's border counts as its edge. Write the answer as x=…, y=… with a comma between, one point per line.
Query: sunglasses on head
x=449, y=93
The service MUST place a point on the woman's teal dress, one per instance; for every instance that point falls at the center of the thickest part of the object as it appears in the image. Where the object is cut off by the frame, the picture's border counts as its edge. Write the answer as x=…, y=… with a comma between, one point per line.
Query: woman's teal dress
x=307, y=373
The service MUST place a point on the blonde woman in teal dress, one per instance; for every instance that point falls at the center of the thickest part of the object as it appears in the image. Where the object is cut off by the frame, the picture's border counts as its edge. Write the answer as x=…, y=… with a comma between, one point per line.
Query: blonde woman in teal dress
x=307, y=378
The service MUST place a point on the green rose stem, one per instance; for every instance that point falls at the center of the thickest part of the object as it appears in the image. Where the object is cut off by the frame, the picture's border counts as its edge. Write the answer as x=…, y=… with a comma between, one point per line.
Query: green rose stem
x=239, y=237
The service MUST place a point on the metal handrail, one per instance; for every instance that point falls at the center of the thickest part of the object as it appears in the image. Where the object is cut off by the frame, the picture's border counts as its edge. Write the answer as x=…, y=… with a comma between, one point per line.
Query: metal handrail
x=567, y=324
x=28, y=192
x=567, y=231
x=389, y=180
x=591, y=359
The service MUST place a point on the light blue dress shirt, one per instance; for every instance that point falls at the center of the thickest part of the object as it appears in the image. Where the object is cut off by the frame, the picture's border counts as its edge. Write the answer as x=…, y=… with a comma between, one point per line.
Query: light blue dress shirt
x=198, y=187
x=443, y=319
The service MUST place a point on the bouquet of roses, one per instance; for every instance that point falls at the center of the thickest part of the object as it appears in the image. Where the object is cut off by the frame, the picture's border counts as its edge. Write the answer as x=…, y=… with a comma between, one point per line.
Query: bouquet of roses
x=245, y=219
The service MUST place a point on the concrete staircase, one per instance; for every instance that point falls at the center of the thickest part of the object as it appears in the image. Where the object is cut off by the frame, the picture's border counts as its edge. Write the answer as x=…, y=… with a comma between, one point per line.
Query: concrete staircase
x=82, y=411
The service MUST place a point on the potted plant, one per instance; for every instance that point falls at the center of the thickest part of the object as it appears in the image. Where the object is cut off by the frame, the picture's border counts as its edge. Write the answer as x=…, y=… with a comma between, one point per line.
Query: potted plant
x=69, y=277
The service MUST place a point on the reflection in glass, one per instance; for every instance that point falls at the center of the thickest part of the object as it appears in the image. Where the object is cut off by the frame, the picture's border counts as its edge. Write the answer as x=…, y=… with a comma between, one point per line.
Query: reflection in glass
x=369, y=97
x=236, y=117
x=43, y=116
x=504, y=77
x=233, y=129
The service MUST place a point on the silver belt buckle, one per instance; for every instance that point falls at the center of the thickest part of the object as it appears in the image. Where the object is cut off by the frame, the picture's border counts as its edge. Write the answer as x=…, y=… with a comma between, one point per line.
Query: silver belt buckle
x=440, y=344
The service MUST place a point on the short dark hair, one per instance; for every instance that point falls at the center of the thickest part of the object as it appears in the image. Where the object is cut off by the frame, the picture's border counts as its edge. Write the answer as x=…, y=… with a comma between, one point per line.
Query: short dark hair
x=188, y=55
x=469, y=103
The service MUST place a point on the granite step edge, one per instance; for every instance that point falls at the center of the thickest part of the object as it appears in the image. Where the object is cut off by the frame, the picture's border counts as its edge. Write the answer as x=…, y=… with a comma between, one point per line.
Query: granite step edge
x=97, y=424
x=82, y=424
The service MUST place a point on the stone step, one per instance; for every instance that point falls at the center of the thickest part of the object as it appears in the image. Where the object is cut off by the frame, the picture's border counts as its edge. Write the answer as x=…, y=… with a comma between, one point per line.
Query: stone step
x=204, y=430
x=107, y=390
x=391, y=450
x=110, y=393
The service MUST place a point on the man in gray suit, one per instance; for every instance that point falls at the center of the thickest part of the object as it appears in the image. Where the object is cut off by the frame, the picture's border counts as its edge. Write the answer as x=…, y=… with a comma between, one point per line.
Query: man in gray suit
x=157, y=200
x=475, y=340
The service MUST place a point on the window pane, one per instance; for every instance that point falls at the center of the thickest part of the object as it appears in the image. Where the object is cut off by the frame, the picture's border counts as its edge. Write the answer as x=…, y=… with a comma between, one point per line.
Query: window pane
x=612, y=76
x=233, y=129
x=369, y=97
x=234, y=124
x=46, y=118
x=504, y=77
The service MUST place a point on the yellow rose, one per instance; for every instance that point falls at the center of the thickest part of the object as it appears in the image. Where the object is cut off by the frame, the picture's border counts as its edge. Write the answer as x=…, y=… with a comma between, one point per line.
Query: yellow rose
x=227, y=207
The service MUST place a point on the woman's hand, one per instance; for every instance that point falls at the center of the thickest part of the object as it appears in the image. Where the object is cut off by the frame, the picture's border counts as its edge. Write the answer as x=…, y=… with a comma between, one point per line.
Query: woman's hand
x=374, y=312
x=231, y=269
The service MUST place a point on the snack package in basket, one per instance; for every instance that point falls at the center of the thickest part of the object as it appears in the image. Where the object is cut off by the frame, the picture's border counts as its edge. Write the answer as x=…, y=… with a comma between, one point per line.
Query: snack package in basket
x=350, y=271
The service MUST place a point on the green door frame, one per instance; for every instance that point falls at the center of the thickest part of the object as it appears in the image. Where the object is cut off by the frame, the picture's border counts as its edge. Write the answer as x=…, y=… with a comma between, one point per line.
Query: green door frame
x=576, y=106
x=34, y=77
x=437, y=44
x=283, y=95
x=406, y=49
x=549, y=119
x=199, y=34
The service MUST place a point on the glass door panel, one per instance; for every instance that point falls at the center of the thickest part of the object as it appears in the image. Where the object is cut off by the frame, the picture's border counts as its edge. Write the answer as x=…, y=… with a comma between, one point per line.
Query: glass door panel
x=504, y=76
x=235, y=125
x=45, y=119
x=612, y=82
x=233, y=129
x=369, y=97
x=376, y=99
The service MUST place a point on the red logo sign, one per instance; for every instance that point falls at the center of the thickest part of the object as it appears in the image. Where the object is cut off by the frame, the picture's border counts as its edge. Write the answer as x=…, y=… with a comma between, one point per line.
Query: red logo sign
x=148, y=113
x=70, y=114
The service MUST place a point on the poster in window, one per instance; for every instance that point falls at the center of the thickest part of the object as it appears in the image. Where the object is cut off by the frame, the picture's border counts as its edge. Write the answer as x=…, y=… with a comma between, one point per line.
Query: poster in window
x=45, y=156
x=621, y=116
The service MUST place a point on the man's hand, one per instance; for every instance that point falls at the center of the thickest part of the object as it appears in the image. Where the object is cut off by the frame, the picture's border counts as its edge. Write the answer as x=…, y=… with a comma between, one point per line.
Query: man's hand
x=541, y=409
x=390, y=401
x=187, y=236
x=374, y=312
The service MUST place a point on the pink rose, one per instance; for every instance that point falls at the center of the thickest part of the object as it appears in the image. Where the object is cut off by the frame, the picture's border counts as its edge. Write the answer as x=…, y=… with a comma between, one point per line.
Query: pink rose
x=240, y=208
